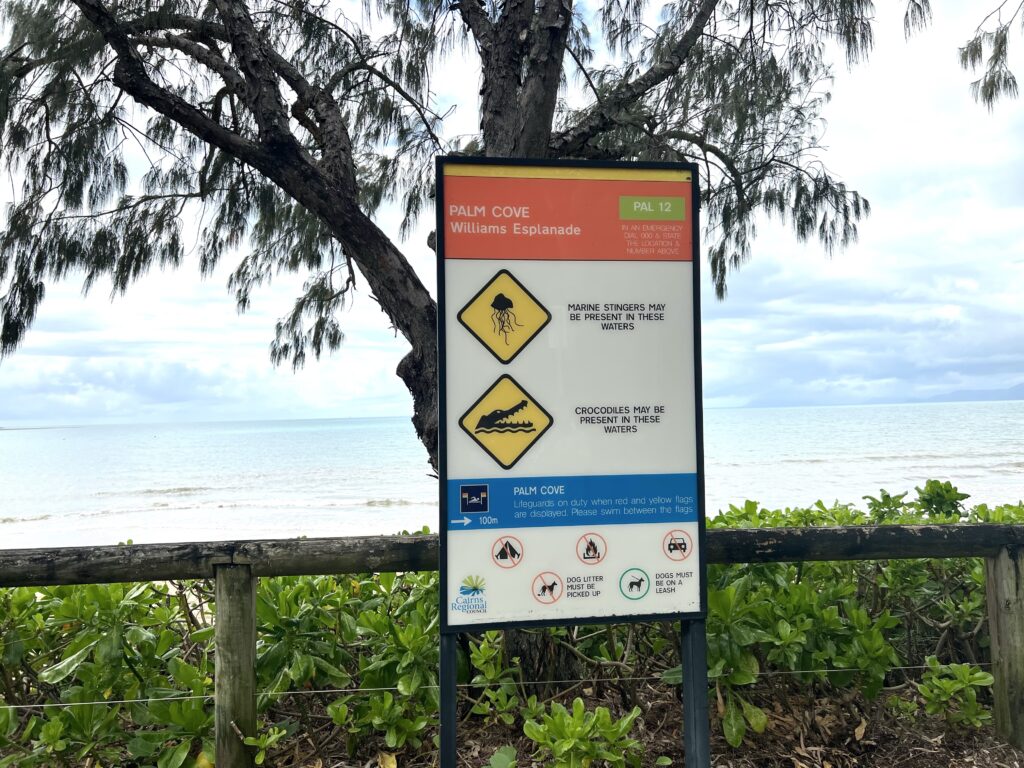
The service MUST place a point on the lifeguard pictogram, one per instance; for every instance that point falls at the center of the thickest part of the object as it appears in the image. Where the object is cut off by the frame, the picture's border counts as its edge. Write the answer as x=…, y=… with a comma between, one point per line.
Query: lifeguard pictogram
x=504, y=316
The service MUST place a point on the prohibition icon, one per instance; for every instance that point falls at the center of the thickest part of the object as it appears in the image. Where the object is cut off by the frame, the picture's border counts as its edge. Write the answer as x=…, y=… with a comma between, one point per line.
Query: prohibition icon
x=506, y=421
x=677, y=545
x=547, y=587
x=591, y=548
x=507, y=552
x=504, y=316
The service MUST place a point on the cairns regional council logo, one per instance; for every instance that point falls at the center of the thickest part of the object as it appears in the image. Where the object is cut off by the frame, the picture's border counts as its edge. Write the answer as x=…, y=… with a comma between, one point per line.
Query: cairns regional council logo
x=471, y=596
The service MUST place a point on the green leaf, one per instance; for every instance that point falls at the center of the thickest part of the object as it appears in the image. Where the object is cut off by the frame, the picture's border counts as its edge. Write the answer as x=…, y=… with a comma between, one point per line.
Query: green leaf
x=302, y=668
x=58, y=672
x=673, y=675
x=173, y=758
x=733, y=725
x=183, y=673
x=338, y=712
x=330, y=670
x=145, y=744
x=756, y=717
x=202, y=635
x=982, y=678
x=504, y=757
x=14, y=648
x=533, y=731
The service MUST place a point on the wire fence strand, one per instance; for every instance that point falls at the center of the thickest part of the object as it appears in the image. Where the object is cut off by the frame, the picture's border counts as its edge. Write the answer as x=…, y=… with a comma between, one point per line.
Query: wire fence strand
x=463, y=686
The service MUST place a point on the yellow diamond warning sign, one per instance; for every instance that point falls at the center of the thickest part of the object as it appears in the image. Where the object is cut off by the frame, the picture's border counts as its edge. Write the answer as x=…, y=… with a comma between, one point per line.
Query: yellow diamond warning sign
x=506, y=421
x=504, y=316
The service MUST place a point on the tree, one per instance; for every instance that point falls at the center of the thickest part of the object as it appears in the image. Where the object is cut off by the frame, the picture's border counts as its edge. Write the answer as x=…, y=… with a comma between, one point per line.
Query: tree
x=990, y=37
x=283, y=125
x=287, y=125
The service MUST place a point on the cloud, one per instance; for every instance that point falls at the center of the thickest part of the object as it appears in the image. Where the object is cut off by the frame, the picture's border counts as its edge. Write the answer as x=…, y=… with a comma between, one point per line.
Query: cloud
x=174, y=348
x=928, y=301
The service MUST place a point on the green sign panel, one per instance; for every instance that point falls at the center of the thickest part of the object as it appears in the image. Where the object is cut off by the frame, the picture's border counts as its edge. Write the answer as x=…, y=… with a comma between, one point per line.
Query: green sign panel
x=652, y=208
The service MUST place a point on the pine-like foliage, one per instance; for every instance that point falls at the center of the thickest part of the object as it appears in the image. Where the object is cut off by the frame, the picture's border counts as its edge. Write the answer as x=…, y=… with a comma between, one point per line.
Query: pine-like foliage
x=270, y=131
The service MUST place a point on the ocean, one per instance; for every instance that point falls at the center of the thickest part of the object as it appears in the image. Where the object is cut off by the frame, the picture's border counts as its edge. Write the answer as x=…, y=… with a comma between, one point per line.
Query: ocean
x=64, y=486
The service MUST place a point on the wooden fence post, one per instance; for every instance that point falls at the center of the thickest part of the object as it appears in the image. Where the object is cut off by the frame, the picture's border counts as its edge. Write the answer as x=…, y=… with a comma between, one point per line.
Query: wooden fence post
x=1004, y=588
x=235, y=669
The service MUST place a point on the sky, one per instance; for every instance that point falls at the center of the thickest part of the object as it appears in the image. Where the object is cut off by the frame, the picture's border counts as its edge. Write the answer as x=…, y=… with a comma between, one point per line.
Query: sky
x=927, y=302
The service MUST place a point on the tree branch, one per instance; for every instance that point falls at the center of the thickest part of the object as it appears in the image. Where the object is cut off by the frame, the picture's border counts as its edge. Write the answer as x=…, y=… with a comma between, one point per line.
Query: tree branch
x=604, y=116
x=208, y=57
x=474, y=15
x=335, y=141
x=130, y=75
x=730, y=165
x=539, y=93
x=262, y=92
x=421, y=110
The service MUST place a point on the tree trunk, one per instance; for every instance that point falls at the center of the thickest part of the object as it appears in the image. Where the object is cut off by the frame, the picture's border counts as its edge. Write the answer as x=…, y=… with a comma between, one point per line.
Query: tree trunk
x=522, y=56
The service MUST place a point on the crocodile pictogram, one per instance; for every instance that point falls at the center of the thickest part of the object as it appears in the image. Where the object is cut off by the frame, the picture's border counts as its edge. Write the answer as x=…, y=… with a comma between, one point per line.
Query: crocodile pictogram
x=495, y=420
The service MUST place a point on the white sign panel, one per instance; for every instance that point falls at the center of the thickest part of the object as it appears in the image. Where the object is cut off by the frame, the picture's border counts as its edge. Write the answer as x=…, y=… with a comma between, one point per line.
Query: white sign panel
x=570, y=444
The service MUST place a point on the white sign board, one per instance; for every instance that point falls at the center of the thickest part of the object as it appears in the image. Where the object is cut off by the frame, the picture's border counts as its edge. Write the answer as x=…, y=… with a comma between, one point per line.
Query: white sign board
x=571, y=464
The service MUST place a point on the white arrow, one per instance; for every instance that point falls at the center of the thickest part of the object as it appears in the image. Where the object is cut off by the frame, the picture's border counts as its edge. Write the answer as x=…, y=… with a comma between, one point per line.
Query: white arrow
x=464, y=521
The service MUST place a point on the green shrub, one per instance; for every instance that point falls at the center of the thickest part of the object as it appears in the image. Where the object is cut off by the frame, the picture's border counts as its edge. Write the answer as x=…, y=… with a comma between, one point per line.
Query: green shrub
x=137, y=661
x=580, y=738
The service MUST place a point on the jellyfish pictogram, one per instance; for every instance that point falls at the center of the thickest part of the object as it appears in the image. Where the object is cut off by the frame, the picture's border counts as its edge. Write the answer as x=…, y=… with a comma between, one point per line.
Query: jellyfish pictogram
x=503, y=317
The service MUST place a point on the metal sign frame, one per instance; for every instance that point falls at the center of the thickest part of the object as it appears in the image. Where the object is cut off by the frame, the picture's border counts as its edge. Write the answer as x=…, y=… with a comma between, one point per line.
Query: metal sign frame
x=693, y=651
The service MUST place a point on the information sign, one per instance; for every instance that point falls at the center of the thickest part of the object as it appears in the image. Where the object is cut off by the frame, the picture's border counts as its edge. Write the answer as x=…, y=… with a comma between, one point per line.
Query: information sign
x=571, y=464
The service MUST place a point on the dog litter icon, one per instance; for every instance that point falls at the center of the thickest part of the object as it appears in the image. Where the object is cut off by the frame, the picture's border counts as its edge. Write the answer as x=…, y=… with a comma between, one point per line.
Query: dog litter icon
x=506, y=421
x=504, y=316
x=547, y=587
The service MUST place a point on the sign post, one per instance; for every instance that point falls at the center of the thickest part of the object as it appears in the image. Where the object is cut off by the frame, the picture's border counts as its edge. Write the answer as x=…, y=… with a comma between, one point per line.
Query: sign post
x=571, y=459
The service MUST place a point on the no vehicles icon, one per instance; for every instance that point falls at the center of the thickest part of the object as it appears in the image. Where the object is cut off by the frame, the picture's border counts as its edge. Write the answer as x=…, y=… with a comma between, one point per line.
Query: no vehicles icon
x=677, y=545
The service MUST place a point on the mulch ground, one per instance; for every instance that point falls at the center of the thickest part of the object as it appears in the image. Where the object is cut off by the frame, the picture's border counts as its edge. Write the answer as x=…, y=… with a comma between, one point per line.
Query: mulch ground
x=843, y=732
x=811, y=733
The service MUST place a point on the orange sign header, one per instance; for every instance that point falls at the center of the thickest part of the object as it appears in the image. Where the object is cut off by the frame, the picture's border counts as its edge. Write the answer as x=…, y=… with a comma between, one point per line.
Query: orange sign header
x=549, y=213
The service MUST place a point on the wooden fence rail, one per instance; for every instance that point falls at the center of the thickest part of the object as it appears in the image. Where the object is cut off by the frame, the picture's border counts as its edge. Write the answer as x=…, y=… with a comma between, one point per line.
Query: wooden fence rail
x=297, y=557
x=237, y=564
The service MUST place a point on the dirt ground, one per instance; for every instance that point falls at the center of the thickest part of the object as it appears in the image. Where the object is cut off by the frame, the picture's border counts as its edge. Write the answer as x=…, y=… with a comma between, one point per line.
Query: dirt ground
x=844, y=732
x=823, y=733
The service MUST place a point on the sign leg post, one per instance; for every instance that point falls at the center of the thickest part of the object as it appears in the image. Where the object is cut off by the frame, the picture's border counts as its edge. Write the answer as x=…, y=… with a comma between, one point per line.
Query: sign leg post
x=696, y=730
x=449, y=712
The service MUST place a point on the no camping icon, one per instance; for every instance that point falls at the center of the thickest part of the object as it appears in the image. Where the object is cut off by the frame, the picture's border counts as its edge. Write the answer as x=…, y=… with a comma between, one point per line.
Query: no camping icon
x=507, y=552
